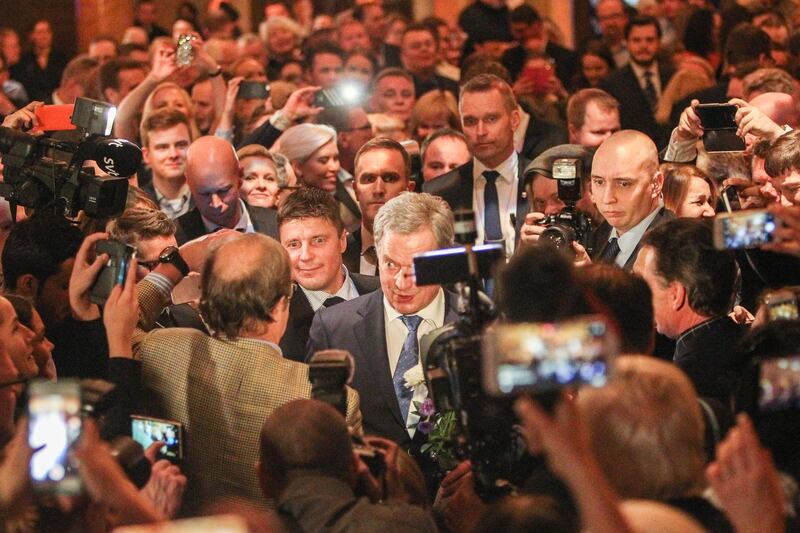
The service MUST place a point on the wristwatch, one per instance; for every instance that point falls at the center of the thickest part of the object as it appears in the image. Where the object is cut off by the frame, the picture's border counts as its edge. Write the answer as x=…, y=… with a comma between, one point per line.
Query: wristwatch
x=172, y=256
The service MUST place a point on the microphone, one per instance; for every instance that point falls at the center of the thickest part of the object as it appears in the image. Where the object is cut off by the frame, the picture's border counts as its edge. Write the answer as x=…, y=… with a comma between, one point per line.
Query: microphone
x=116, y=157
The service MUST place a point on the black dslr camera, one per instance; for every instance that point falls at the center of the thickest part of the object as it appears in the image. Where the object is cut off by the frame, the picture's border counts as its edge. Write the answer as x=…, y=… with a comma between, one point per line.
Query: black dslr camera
x=569, y=224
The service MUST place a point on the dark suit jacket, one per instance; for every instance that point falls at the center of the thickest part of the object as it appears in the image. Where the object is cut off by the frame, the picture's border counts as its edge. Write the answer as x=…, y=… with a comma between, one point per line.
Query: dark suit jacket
x=456, y=189
x=710, y=356
x=436, y=82
x=566, y=61
x=295, y=339
x=604, y=231
x=358, y=327
x=190, y=226
x=540, y=135
x=635, y=113
x=352, y=254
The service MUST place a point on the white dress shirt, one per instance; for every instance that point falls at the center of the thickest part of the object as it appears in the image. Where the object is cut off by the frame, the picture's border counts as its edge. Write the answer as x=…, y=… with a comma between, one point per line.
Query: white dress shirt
x=366, y=268
x=396, y=332
x=245, y=225
x=347, y=291
x=507, y=184
x=627, y=242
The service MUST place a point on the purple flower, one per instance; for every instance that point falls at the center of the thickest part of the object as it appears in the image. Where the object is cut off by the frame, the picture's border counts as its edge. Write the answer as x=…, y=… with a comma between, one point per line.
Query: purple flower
x=425, y=427
x=427, y=408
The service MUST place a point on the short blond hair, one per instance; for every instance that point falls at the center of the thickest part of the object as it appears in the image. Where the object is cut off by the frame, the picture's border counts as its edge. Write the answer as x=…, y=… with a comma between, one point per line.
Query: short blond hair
x=646, y=430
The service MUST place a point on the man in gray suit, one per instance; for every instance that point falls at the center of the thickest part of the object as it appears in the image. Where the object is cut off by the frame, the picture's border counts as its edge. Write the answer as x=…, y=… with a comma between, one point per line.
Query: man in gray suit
x=382, y=329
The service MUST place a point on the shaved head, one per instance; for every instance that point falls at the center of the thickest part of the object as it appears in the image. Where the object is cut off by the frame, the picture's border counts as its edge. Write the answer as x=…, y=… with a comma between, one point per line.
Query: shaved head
x=780, y=107
x=214, y=177
x=626, y=182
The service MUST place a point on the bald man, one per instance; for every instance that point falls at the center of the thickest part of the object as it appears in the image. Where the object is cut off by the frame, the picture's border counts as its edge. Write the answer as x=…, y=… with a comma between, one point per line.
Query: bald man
x=626, y=188
x=214, y=176
x=223, y=387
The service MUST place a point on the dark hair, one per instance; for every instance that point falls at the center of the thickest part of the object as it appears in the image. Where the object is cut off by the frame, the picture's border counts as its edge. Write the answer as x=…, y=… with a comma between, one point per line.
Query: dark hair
x=23, y=307
x=642, y=20
x=699, y=34
x=746, y=43
x=125, y=49
x=306, y=435
x=322, y=47
x=596, y=47
x=524, y=14
x=161, y=120
x=39, y=245
x=109, y=72
x=684, y=250
x=423, y=26
x=479, y=63
x=310, y=202
x=629, y=300
x=384, y=143
x=527, y=513
x=539, y=284
x=784, y=154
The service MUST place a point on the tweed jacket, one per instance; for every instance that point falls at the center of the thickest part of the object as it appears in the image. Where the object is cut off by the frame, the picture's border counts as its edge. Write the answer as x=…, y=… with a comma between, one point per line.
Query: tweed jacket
x=221, y=390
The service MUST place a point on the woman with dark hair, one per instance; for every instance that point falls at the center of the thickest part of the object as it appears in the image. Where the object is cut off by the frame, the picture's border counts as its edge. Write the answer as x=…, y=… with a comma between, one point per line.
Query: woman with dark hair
x=702, y=36
x=595, y=64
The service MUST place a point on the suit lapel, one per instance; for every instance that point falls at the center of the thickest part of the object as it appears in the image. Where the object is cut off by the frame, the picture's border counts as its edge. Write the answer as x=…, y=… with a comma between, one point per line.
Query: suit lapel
x=370, y=331
x=192, y=225
x=344, y=198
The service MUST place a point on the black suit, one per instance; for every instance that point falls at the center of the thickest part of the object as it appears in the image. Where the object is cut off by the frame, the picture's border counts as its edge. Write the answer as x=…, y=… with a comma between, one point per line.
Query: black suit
x=190, y=226
x=352, y=254
x=358, y=327
x=295, y=339
x=604, y=231
x=433, y=83
x=635, y=113
x=566, y=61
x=710, y=356
x=455, y=187
x=540, y=135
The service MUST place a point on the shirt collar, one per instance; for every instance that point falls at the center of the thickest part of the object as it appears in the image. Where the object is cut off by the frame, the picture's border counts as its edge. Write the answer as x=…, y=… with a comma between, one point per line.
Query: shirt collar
x=507, y=169
x=317, y=298
x=433, y=312
x=627, y=242
x=344, y=176
x=244, y=224
x=640, y=70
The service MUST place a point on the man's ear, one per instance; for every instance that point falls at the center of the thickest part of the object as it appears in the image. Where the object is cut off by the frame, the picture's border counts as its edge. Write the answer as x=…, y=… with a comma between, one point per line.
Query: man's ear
x=658, y=184
x=677, y=295
x=515, y=119
x=27, y=286
x=146, y=155
x=343, y=241
x=573, y=133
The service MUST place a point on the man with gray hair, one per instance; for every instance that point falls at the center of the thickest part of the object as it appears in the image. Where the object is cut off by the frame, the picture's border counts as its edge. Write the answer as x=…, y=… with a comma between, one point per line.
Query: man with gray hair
x=382, y=329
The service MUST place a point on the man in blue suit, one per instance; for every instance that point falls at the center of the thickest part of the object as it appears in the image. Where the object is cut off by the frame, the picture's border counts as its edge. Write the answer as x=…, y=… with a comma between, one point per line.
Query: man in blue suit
x=382, y=329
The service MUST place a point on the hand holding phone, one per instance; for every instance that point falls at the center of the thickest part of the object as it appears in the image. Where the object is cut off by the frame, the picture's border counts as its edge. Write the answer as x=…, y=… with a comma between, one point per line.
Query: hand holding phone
x=146, y=431
x=720, y=128
x=54, y=118
x=54, y=425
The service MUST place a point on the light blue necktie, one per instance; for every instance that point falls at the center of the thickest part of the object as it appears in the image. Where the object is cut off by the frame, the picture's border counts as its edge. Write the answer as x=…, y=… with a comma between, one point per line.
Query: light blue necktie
x=409, y=356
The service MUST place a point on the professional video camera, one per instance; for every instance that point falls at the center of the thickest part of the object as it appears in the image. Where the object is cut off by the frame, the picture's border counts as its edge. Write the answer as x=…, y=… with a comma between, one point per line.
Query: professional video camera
x=451, y=359
x=565, y=164
x=32, y=178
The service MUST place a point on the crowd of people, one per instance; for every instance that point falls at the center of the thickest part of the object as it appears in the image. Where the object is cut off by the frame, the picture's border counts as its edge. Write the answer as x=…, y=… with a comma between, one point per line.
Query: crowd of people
x=292, y=172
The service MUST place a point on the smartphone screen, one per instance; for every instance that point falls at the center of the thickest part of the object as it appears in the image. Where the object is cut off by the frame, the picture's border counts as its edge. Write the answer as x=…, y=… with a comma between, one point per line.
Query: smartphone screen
x=782, y=305
x=533, y=358
x=146, y=431
x=54, y=426
x=779, y=384
x=744, y=229
x=717, y=116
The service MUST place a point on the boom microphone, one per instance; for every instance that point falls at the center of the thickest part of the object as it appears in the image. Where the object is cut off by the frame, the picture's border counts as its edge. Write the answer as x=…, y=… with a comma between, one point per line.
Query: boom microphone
x=116, y=157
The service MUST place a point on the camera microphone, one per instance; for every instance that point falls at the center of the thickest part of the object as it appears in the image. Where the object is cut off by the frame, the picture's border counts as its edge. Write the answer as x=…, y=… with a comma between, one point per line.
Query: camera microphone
x=116, y=157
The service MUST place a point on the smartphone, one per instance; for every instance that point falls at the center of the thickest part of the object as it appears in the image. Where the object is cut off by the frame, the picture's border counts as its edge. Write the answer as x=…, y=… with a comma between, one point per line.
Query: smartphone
x=540, y=78
x=743, y=229
x=253, y=90
x=114, y=271
x=54, y=425
x=782, y=305
x=779, y=384
x=541, y=358
x=184, y=54
x=55, y=117
x=719, y=128
x=730, y=198
x=146, y=431
x=346, y=93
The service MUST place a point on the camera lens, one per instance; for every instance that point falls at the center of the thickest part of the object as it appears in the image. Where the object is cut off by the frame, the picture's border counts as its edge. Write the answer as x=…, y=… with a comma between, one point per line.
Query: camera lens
x=561, y=236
